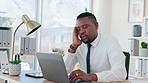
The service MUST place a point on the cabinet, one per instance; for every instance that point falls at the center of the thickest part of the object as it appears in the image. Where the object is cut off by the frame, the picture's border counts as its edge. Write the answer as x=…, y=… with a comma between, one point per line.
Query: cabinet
x=5, y=45
x=138, y=63
x=135, y=45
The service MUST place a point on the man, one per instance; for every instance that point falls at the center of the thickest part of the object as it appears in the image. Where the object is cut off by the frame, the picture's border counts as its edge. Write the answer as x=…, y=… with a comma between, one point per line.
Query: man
x=104, y=62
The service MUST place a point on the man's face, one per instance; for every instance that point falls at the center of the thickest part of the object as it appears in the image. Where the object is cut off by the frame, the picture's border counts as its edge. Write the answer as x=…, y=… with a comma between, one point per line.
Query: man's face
x=87, y=29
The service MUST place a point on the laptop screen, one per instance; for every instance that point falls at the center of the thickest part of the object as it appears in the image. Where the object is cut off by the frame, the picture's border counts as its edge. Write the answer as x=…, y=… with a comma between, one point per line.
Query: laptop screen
x=53, y=67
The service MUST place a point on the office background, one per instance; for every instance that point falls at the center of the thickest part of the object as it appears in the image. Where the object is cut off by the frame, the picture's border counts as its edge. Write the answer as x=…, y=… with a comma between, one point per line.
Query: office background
x=57, y=18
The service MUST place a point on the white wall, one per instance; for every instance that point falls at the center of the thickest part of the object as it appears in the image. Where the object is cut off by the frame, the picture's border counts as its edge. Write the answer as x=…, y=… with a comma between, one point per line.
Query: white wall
x=146, y=8
x=120, y=27
x=113, y=18
x=102, y=10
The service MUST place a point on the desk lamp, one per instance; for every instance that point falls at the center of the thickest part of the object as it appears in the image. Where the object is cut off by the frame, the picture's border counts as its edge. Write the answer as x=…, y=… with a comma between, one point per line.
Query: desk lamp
x=31, y=26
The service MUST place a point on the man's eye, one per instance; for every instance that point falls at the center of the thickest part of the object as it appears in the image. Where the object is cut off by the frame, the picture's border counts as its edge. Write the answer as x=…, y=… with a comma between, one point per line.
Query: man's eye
x=85, y=26
x=78, y=29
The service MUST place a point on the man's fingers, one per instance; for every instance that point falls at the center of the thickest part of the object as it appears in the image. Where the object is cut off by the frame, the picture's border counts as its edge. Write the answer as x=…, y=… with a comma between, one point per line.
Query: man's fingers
x=73, y=76
x=76, y=78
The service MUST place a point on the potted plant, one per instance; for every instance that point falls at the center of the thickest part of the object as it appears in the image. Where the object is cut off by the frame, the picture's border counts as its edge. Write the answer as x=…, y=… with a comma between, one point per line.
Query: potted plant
x=144, y=49
x=143, y=44
x=58, y=50
x=15, y=66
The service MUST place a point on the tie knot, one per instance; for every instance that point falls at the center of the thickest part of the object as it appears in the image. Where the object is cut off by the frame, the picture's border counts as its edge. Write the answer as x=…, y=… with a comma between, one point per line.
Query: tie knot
x=89, y=45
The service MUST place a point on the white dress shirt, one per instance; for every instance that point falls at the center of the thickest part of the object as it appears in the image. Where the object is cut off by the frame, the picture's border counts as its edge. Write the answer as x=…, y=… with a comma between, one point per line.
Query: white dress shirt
x=107, y=60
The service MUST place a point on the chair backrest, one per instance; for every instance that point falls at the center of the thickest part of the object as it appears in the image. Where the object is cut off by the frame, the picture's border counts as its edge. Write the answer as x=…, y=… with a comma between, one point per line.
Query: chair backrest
x=127, y=62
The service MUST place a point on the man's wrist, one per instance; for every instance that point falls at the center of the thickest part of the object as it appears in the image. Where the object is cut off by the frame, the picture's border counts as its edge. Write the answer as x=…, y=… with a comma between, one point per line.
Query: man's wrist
x=93, y=77
x=71, y=51
x=73, y=47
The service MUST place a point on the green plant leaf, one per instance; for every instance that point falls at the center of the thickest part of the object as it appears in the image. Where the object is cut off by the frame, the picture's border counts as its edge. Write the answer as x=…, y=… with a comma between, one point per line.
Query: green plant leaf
x=85, y=9
x=15, y=62
x=144, y=45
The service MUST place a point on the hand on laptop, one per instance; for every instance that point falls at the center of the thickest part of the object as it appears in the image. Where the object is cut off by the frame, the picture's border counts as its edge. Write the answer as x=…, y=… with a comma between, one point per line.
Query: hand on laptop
x=80, y=75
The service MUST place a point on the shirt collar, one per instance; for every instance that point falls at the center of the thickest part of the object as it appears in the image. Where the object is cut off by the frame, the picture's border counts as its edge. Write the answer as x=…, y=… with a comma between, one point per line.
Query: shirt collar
x=96, y=41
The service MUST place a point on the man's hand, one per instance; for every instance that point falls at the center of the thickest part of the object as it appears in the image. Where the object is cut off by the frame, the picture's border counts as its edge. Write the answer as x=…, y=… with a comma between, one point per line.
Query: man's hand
x=78, y=74
x=76, y=41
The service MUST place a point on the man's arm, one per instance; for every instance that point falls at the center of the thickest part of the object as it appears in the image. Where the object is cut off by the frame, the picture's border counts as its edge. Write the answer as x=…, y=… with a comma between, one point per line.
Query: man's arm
x=70, y=58
x=117, y=62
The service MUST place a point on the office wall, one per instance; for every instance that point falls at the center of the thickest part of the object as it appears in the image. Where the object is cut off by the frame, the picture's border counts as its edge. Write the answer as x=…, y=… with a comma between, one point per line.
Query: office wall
x=113, y=18
x=146, y=8
x=120, y=27
x=102, y=10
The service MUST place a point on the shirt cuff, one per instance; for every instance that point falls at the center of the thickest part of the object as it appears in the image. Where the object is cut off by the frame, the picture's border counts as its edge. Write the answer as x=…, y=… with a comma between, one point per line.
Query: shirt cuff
x=68, y=53
x=99, y=77
x=68, y=56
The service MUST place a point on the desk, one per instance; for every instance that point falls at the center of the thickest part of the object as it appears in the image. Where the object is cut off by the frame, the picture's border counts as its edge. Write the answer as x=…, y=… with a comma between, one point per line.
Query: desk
x=24, y=79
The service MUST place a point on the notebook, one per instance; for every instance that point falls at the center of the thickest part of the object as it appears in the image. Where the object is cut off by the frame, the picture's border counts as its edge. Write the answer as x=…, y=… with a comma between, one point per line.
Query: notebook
x=53, y=67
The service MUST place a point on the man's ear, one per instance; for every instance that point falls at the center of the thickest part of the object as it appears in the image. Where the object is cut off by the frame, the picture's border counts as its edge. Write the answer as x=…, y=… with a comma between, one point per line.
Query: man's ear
x=97, y=25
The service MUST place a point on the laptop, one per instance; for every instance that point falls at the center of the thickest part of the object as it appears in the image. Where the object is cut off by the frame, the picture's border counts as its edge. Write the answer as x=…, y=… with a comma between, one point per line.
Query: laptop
x=53, y=67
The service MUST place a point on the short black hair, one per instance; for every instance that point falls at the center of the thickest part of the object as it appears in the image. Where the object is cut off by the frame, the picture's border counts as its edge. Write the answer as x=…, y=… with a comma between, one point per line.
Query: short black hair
x=87, y=14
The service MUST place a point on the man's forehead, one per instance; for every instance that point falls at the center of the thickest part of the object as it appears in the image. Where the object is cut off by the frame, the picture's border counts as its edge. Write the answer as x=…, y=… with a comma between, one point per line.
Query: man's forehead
x=82, y=21
x=80, y=24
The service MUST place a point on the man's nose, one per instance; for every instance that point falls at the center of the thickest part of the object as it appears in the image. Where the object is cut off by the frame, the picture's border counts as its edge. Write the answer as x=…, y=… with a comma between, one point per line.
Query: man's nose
x=81, y=31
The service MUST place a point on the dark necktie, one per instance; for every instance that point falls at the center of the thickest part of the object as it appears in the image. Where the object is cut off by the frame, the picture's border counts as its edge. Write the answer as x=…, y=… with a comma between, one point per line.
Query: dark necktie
x=88, y=58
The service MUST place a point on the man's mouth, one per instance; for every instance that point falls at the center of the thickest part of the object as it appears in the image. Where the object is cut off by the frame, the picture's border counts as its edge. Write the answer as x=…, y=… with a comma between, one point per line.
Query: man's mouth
x=83, y=37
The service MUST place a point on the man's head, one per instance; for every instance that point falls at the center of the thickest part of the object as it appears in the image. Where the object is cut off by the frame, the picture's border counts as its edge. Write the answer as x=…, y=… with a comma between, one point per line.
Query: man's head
x=87, y=27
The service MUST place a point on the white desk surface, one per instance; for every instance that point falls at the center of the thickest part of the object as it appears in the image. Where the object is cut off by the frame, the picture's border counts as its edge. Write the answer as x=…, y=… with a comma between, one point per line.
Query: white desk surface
x=25, y=79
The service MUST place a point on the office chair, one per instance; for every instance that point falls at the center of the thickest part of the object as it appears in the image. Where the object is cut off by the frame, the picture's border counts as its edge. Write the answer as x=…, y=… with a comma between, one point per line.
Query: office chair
x=127, y=62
